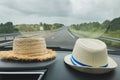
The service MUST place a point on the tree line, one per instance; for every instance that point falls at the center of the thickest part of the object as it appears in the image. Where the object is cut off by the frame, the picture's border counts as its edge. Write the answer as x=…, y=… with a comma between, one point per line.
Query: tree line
x=91, y=26
x=94, y=26
x=8, y=27
x=51, y=26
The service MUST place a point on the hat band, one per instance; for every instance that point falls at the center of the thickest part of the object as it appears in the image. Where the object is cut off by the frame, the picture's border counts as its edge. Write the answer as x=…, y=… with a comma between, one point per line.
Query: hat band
x=77, y=63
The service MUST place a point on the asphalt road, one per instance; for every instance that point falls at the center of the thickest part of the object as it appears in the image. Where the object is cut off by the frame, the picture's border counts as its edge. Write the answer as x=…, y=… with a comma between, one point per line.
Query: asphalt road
x=65, y=39
x=62, y=38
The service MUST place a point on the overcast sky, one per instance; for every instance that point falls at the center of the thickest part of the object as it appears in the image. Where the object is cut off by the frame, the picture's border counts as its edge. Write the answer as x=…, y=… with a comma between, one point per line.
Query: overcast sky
x=58, y=11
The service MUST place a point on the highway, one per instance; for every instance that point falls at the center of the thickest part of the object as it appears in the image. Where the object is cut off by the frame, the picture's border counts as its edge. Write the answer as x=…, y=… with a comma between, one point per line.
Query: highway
x=61, y=38
x=66, y=39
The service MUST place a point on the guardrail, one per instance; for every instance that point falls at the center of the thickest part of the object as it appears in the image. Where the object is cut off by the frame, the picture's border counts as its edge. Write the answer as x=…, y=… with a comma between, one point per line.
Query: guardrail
x=101, y=37
x=6, y=43
x=110, y=39
x=11, y=36
x=3, y=37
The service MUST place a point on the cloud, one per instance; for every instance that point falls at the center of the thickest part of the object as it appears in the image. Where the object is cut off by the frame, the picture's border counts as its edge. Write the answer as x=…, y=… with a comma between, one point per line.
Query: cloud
x=63, y=11
x=40, y=7
x=94, y=9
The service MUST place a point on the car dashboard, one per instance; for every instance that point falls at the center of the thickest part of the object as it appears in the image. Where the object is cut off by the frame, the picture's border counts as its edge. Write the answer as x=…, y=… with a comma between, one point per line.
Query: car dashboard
x=60, y=71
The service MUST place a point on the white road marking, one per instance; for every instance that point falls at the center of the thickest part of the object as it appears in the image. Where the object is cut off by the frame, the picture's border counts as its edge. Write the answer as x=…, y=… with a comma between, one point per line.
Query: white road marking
x=71, y=35
x=110, y=50
x=52, y=37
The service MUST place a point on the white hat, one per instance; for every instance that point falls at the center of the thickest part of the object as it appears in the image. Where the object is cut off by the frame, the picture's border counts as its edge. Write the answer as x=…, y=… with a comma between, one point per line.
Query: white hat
x=90, y=56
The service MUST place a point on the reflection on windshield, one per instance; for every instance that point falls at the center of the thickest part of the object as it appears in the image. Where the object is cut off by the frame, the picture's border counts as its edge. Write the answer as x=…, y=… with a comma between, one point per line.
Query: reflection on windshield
x=108, y=31
x=61, y=22
x=9, y=31
x=59, y=35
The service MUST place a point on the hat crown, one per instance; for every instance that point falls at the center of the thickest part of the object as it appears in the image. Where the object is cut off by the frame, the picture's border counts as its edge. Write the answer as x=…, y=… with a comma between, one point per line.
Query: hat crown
x=91, y=52
x=29, y=46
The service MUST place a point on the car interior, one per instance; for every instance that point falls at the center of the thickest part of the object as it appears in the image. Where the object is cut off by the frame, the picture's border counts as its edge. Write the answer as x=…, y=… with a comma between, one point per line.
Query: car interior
x=59, y=40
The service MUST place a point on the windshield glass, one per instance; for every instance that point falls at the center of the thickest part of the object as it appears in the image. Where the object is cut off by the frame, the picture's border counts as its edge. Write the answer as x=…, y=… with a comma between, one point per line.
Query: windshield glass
x=61, y=22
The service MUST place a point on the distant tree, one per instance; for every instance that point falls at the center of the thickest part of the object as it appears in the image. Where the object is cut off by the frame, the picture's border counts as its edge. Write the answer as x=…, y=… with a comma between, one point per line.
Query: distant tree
x=8, y=27
x=105, y=25
x=57, y=25
x=41, y=24
x=91, y=26
x=114, y=24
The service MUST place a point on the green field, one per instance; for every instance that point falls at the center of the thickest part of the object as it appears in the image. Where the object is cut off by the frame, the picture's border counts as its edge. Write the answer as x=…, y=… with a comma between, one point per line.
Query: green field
x=107, y=29
x=97, y=34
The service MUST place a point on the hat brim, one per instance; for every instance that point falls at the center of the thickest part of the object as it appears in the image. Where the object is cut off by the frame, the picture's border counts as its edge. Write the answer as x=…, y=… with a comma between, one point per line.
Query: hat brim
x=95, y=70
x=10, y=55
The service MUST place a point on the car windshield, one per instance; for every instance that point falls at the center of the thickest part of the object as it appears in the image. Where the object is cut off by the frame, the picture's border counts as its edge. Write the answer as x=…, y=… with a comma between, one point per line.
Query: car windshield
x=61, y=22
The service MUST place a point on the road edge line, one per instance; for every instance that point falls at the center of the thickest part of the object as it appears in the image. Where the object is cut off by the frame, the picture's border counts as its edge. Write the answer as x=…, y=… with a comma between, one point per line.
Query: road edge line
x=71, y=35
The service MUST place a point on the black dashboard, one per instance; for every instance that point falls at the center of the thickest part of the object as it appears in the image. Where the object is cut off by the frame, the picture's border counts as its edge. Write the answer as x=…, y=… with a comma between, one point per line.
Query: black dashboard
x=60, y=71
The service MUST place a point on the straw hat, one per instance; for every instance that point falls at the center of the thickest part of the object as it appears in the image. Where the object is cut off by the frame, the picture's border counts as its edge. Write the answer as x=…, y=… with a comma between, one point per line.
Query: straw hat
x=29, y=49
x=90, y=56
